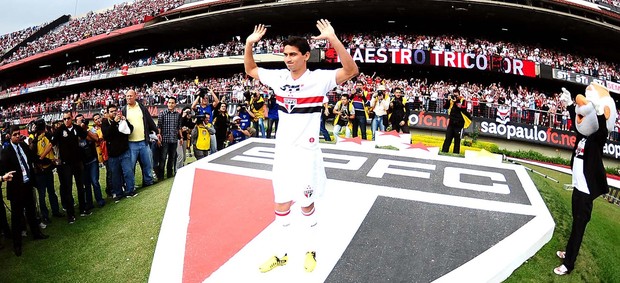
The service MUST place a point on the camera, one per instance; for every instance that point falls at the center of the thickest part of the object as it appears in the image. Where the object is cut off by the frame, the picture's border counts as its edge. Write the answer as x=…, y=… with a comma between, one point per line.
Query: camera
x=200, y=119
x=202, y=92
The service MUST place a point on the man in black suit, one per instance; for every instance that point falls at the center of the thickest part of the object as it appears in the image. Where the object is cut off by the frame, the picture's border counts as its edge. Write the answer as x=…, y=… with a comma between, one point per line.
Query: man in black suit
x=17, y=159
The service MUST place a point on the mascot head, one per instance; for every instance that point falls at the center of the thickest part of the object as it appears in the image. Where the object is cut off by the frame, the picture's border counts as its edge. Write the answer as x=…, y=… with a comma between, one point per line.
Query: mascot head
x=597, y=101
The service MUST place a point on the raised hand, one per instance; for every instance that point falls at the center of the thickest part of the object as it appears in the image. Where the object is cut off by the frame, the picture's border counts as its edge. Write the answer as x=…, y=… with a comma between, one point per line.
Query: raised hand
x=258, y=33
x=566, y=97
x=326, y=29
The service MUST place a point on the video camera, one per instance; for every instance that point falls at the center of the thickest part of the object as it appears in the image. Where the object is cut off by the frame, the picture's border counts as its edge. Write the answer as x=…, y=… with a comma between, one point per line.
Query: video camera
x=202, y=92
x=200, y=119
x=243, y=106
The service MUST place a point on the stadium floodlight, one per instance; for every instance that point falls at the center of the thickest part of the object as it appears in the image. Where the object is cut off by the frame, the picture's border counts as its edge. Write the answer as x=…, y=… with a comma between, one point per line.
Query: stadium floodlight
x=137, y=50
x=103, y=56
x=563, y=39
x=391, y=21
x=44, y=66
x=504, y=29
x=73, y=62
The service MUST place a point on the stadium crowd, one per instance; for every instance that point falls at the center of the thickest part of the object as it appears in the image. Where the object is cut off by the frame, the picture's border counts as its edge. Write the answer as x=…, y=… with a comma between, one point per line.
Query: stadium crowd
x=203, y=116
x=579, y=64
x=524, y=105
x=92, y=24
x=10, y=40
x=614, y=3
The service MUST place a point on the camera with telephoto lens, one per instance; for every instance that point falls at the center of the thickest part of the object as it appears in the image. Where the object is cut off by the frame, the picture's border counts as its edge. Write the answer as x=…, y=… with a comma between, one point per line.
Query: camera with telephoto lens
x=202, y=92
x=243, y=106
x=200, y=119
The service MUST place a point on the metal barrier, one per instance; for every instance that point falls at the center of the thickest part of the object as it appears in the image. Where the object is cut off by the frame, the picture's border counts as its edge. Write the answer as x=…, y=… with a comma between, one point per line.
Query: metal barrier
x=613, y=196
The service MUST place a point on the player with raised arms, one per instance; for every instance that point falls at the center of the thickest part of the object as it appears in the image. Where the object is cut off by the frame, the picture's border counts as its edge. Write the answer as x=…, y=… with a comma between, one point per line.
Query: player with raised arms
x=298, y=170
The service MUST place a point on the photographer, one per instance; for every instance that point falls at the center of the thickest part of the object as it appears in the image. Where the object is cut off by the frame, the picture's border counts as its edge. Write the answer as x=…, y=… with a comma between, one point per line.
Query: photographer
x=201, y=136
x=43, y=172
x=187, y=125
x=257, y=104
x=379, y=105
x=90, y=161
x=236, y=134
x=272, y=115
x=456, y=107
x=344, y=114
x=201, y=105
x=361, y=111
x=246, y=118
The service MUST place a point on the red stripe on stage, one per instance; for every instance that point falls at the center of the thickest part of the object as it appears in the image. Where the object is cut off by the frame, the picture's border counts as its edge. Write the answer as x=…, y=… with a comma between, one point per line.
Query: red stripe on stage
x=226, y=212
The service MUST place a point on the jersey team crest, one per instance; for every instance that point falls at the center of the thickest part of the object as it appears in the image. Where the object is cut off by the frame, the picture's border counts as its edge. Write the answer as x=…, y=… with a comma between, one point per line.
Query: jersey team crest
x=308, y=192
x=289, y=103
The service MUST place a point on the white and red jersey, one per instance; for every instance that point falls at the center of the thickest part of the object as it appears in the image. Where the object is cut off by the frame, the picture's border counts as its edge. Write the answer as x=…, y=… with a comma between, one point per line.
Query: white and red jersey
x=300, y=104
x=298, y=169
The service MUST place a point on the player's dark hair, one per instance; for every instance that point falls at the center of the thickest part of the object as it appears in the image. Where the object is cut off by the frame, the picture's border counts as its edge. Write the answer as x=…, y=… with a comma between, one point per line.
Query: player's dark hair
x=299, y=42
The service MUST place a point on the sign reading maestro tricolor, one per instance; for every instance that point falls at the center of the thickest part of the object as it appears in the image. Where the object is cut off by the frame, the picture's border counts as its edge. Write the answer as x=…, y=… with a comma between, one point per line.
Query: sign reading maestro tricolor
x=385, y=216
x=450, y=59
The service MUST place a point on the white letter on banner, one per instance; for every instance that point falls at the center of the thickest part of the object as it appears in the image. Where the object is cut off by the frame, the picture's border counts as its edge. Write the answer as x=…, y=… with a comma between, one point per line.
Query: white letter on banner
x=452, y=179
x=448, y=58
x=382, y=166
x=393, y=51
x=436, y=57
x=517, y=67
x=468, y=64
x=370, y=54
x=358, y=56
x=405, y=56
x=382, y=56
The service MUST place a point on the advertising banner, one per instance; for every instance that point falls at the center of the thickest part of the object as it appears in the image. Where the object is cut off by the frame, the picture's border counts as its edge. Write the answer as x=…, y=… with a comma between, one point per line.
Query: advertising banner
x=511, y=131
x=612, y=86
x=575, y=77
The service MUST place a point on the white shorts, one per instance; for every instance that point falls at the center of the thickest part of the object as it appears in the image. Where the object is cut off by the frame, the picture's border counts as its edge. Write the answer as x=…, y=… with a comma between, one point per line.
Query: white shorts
x=298, y=175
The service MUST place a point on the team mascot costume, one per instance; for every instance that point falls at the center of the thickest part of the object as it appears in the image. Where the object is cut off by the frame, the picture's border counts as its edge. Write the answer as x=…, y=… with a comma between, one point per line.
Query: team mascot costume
x=594, y=116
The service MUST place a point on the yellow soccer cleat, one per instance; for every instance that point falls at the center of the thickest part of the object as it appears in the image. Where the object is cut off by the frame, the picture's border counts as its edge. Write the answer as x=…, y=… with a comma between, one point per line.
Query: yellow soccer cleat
x=310, y=262
x=272, y=263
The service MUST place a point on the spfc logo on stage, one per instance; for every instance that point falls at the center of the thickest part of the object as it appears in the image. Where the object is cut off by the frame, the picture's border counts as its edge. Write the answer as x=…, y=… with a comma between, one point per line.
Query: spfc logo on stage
x=393, y=204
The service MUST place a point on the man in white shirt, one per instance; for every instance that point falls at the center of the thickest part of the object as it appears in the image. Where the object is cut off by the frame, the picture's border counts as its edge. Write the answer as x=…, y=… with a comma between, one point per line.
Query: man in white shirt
x=379, y=106
x=300, y=94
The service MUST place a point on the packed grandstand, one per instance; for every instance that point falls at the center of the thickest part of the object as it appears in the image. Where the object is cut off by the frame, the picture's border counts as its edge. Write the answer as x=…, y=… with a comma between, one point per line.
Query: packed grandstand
x=508, y=59
x=81, y=84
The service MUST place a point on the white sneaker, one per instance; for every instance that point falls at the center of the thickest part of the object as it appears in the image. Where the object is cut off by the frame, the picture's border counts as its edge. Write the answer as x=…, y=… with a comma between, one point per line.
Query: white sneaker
x=561, y=254
x=561, y=270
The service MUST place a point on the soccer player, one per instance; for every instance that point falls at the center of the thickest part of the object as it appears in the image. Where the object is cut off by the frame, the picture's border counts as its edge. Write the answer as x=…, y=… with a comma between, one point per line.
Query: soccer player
x=300, y=94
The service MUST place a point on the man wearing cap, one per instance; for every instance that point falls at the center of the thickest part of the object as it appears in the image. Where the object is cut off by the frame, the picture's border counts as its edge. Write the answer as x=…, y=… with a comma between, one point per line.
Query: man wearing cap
x=236, y=133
